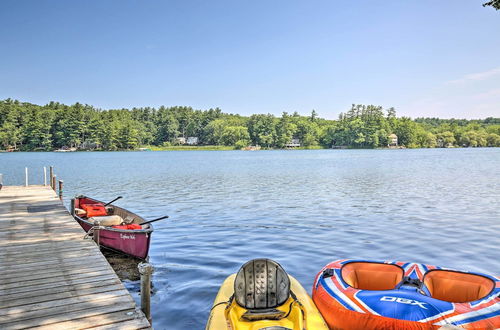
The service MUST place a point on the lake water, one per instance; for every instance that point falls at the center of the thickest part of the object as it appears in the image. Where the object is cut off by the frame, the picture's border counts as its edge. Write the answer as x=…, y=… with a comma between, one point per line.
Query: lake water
x=301, y=208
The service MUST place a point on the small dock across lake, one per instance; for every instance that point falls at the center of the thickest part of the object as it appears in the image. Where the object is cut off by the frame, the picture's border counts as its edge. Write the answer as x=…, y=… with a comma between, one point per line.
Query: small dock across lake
x=51, y=277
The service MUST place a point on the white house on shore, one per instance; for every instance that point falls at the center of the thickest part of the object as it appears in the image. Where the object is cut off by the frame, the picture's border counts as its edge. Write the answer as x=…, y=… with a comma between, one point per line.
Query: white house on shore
x=393, y=140
x=192, y=140
x=181, y=140
x=294, y=143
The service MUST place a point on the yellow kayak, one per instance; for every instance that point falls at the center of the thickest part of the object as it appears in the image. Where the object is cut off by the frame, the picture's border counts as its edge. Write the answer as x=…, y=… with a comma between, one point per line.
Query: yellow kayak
x=266, y=298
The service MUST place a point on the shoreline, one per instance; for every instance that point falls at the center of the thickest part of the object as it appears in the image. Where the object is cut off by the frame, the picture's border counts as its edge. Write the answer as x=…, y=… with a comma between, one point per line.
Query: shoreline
x=230, y=148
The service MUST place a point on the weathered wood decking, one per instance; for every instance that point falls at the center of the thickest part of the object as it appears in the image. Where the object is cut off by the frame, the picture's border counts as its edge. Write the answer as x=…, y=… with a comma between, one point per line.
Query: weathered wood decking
x=51, y=278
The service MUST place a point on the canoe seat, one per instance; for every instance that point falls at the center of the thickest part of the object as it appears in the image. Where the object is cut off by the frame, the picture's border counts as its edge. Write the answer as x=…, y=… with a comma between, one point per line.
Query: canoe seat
x=457, y=287
x=108, y=220
x=129, y=219
x=372, y=275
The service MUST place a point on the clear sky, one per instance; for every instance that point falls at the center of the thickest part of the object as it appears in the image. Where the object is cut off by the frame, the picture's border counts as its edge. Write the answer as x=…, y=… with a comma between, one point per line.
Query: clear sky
x=425, y=57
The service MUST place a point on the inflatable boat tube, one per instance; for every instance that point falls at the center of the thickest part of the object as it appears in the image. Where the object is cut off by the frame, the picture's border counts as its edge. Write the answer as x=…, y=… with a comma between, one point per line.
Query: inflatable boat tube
x=359, y=294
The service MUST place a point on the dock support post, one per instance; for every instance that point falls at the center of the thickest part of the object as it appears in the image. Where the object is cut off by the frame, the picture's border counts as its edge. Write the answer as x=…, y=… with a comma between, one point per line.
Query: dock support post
x=26, y=176
x=54, y=182
x=97, y=227
x=146, y=269
x=72, y=207
x=51, y=175
x=61, y=183
x=44, y=176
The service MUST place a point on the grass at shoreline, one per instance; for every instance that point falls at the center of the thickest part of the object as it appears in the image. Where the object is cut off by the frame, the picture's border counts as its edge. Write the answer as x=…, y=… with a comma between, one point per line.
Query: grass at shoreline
x=227, y=148
x=177, y=148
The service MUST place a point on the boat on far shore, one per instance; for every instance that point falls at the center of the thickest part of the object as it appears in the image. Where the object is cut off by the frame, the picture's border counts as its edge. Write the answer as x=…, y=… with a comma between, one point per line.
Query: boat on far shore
x=66, y=149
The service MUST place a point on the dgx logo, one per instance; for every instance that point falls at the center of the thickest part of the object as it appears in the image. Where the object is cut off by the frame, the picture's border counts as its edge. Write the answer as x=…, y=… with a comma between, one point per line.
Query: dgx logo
x=404, y=301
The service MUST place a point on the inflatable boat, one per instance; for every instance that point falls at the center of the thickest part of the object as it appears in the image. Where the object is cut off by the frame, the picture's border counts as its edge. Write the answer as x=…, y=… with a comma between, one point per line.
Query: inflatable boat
x=358, y=294
x=263, y=296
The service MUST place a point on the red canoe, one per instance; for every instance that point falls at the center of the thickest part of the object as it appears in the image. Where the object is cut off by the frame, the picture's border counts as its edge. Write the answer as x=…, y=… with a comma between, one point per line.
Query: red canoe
x=121, y=230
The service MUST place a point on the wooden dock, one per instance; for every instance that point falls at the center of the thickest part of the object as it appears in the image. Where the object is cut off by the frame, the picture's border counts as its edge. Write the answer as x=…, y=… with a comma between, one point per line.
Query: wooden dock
x=51, y=278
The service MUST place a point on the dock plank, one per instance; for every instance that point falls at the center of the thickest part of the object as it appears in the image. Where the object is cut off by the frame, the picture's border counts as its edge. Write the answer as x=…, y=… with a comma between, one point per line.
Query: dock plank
x=57, y=273
x=52, y=277
x=57, y=296
x=69, y=314
x=127, y=325
x=112, y=319
x=71, y=303
x=69, y=283
x=34, y=294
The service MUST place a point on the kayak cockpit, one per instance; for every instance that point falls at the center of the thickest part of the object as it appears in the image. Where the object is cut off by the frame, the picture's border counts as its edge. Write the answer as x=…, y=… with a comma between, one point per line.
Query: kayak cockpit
x=263, y=296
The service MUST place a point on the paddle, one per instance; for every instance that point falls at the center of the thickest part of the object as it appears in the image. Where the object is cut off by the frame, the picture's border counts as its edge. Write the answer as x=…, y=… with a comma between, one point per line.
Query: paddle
x=114, y=200
x=157, y=219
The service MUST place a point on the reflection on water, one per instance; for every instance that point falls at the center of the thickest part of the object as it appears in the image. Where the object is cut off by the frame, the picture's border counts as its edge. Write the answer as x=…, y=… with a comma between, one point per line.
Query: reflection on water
x=300, y=208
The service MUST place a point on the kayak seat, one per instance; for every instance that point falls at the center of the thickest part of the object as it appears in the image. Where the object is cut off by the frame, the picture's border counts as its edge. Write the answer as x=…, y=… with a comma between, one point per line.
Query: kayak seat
x=372, y=275
x=261, y=284
x=108, y=220
x=457, y=287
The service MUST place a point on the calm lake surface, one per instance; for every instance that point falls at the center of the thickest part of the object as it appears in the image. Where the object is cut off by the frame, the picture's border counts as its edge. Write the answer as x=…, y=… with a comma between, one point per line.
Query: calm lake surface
x=301, y=208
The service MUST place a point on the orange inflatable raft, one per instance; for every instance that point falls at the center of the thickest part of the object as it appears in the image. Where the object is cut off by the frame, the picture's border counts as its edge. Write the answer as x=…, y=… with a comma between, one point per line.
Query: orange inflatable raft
x=358, y=294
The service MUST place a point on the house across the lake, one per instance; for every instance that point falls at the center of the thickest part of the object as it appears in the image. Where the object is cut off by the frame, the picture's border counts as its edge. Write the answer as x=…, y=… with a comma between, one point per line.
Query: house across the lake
x=393, y=140
x=294, y=143
x=181, y=140
x=192, y=140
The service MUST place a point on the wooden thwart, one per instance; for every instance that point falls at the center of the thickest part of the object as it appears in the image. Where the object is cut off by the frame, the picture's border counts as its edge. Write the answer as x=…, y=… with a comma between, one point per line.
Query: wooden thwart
x=52, y=277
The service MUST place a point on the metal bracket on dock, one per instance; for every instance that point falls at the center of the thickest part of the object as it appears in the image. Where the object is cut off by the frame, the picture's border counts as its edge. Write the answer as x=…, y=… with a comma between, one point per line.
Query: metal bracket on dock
x=94, y=231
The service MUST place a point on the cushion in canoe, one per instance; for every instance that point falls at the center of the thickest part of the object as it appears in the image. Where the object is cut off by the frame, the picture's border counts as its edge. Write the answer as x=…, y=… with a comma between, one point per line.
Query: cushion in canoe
x=132, y=226
x=108, y=220
x=94, y=210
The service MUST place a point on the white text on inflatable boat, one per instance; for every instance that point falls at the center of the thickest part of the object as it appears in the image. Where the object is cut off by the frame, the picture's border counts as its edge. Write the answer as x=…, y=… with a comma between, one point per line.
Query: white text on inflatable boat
x=404, y=301
x=125, y=236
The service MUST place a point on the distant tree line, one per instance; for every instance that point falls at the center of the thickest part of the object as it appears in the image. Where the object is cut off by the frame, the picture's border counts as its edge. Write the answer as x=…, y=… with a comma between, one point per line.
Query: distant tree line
x=26, y=126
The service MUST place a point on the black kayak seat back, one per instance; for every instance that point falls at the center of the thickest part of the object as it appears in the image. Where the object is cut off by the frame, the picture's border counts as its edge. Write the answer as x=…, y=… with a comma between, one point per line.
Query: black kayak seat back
x=261, y=284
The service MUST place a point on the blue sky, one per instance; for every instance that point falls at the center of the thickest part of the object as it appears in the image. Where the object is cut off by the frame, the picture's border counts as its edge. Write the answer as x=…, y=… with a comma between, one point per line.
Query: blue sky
x=426, y=57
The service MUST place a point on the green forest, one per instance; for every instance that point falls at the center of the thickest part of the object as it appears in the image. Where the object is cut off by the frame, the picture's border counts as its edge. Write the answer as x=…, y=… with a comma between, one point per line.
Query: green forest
x=30, y=127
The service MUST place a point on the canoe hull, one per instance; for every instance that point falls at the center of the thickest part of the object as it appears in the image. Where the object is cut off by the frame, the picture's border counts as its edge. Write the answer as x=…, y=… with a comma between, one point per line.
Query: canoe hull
x=131, y=242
